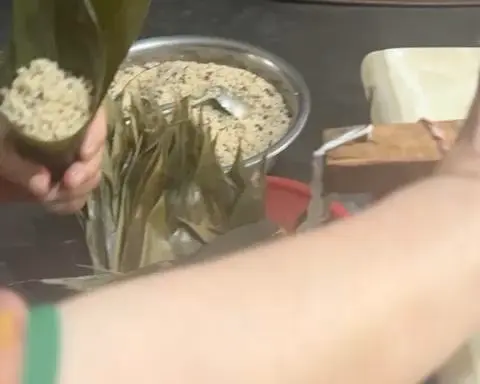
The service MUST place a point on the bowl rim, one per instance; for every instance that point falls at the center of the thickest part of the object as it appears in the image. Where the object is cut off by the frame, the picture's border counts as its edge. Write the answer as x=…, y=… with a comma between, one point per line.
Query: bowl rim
x=290, y=73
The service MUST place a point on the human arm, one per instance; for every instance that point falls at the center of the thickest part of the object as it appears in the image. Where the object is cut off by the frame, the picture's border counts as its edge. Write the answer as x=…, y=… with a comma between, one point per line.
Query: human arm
x=382, y=298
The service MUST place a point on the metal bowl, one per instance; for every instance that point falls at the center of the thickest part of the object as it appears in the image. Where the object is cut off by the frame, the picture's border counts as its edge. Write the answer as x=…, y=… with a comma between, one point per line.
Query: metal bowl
x=236, y=54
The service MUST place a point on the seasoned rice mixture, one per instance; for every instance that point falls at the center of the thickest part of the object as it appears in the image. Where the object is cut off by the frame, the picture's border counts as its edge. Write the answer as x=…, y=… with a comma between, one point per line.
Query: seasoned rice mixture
x=45, y=102
x=269, y=118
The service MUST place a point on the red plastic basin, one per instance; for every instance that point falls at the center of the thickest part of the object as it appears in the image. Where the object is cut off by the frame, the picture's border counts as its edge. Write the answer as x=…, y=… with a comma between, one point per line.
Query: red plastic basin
x=286, y=200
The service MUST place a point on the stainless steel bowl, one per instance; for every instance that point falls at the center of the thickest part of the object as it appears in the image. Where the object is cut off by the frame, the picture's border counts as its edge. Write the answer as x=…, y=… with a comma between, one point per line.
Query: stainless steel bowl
x=236, y=54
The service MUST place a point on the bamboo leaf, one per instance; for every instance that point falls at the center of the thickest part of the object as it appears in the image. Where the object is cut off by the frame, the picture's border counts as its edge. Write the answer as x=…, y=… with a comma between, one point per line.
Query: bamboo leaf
x=183, y=244
x=82, y=283
x=96, y=230
x=135, y=113
x=250, y=205
x=121, y=22
x=210, y=176
x=190, y=216
x=237, y=172
x=148, y=196
x=124, y=210
x=149, y=172
x=118, y=142
x=174, y=197
x=156, y=247
x=202, y=232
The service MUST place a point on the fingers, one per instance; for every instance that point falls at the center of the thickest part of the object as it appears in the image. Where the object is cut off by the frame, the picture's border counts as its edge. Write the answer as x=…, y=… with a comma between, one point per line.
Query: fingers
x=83, y=176
x=31, y=176
x=80, y=173
x=95, y=136
x=67, y=207
x=63, y=201
x=79, y=180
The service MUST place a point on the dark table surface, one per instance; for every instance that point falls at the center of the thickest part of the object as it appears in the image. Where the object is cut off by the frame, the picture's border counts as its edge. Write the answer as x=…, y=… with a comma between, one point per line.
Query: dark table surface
x=326, y=43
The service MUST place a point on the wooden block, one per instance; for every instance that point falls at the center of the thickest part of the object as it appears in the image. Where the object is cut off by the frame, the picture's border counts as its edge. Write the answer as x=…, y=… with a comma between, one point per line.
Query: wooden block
x=395, y=155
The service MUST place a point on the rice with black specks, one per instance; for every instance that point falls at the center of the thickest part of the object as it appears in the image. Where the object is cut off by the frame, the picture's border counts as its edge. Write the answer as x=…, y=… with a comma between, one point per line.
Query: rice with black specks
x=45, y=102
x=267, y=123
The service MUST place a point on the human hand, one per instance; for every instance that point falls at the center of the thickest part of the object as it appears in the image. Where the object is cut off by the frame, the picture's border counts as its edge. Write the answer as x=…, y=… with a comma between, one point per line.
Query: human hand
x=79, y=180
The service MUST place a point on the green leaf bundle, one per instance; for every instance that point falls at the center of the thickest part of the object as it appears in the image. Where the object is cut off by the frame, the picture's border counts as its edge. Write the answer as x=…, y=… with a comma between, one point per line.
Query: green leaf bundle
x=164, y=194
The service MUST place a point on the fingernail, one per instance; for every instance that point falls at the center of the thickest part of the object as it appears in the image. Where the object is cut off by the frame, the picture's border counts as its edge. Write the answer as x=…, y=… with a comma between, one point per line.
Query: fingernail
x=52, y=194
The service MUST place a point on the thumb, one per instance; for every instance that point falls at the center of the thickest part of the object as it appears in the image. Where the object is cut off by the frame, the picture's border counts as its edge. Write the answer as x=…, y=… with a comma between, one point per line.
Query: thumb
x=31, y=176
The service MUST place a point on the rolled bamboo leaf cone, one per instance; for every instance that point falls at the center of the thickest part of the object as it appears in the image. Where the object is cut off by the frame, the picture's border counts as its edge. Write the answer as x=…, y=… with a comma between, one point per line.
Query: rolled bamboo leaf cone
x=56, y=156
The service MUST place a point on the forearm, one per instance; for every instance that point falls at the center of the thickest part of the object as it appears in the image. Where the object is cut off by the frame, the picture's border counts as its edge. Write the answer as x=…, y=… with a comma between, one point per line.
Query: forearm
x=303, y=310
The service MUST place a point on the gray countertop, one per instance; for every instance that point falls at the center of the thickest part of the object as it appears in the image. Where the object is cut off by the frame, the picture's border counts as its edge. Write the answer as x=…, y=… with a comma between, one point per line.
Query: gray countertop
x=326, y=43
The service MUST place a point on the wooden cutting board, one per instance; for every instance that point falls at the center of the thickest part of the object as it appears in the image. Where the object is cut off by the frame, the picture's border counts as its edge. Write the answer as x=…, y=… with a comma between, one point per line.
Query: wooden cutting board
x=432, y=3
x=396, y=154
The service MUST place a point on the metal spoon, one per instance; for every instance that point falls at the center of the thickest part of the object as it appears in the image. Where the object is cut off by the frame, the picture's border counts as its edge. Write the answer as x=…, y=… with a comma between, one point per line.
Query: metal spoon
x=229, y=102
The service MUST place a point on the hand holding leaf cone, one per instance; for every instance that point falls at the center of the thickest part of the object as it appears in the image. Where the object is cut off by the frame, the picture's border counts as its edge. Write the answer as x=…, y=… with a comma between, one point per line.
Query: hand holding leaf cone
x=88, y=39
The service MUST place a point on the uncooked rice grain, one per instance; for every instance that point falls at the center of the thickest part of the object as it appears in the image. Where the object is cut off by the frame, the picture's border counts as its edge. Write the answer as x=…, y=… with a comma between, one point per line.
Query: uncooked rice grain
x=45, y=102
x=267, y=122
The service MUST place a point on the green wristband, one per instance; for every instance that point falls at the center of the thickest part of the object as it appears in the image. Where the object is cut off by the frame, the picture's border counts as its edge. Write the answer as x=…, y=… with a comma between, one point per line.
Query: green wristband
x=41, y=346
